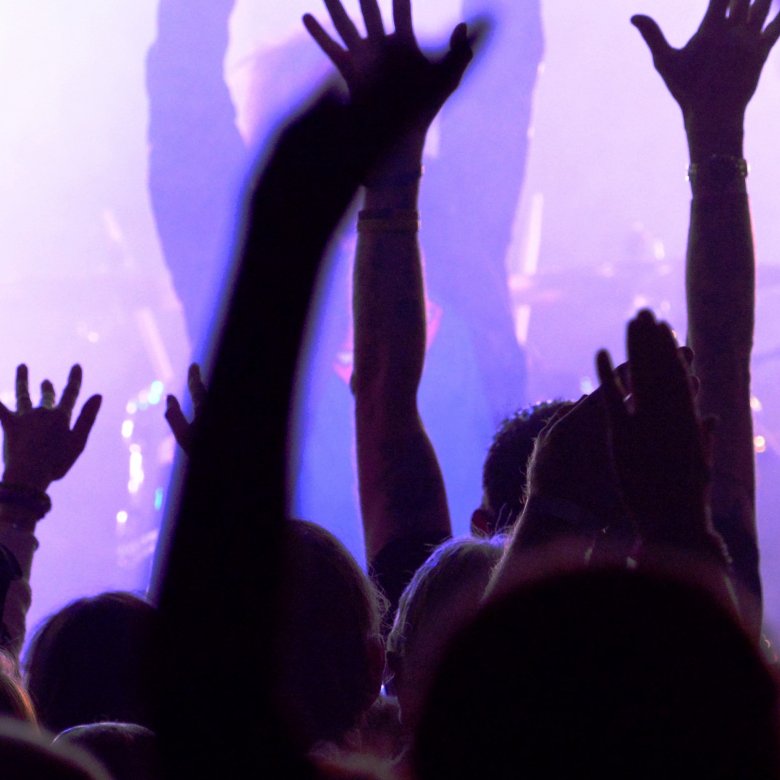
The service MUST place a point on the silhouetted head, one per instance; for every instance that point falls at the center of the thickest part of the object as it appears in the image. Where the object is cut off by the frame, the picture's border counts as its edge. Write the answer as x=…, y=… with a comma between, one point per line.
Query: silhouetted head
x=330, y=655
x=504, y=470
x=15, y=702
x=607, y=674
x=126, y=750
x=443, y=595
x=91, y=662
x=26, y=754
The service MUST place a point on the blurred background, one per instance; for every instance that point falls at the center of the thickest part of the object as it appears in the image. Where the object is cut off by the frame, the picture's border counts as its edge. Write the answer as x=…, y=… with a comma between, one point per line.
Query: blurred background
x=599, y=230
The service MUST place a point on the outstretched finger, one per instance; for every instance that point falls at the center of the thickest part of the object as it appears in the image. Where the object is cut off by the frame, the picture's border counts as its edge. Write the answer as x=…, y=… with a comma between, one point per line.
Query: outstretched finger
x=716, y=12
x=84, y=423
x=343, y=24
x=196, y=387
x=738, y=11
x=759, y=12
x=402, y=19
x=23, y=402
x=653, y=37
x=177, y=422
x=611, y=390
x=457, y=58
x=332, y=50
x=771, y=33
x=47, y=395
x=71, y=391
x=372, y=16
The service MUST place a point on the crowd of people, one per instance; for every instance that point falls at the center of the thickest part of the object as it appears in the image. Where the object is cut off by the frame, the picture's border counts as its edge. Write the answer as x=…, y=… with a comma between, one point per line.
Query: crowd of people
x=604, y=617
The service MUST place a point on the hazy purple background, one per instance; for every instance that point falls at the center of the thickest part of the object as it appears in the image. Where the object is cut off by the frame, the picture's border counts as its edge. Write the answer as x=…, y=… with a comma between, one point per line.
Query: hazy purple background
x=602, y=221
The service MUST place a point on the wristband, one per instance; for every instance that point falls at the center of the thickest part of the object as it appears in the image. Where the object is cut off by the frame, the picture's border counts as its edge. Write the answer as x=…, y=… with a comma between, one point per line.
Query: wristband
x=33, y=500
x=388, y=221
x=719, y=174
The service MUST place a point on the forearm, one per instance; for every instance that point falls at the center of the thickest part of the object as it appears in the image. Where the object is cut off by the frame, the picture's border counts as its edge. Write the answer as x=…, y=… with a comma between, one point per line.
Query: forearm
x=401, y=486
x=720, y=285
x=388, y=288
x=17, y=529
x=224, y=562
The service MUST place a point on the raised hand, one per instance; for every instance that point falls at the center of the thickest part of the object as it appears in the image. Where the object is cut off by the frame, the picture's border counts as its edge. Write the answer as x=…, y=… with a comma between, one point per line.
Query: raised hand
x=719, y=68
x=181, y=428
x=714, y=76
x=40, y=446
x=571, y=461
x=394, y=61
x=658, y=443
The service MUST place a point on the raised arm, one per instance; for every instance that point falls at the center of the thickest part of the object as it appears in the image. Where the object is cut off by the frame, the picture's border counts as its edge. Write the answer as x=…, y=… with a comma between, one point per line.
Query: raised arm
x=402, y=496
x=713, y=79
x=223, y=568
x=39, y=448
x=660, y=448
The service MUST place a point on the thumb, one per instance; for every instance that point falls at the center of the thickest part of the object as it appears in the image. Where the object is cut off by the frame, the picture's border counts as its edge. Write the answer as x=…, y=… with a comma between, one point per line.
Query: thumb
x=457, y=58
x=653, y=37
x=6, y=415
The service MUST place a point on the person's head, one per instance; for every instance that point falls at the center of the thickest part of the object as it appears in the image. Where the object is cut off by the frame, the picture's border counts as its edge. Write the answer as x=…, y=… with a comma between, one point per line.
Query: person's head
x=504, y=470
x=443, y=595
x=26, y=754
x=330, y=654
x=15, y=702
x=92, y=661
x=127, y=750
x=607, y=674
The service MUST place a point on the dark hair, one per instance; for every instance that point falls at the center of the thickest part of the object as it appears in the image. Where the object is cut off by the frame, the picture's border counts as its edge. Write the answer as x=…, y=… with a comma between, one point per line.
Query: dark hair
x=443, y=595
x=453, y=563
x=328, y=671
x=504, y=470
x=26, y=754
x=607, y=674
x=15, y=702
x=127, y=750
x=92, y=661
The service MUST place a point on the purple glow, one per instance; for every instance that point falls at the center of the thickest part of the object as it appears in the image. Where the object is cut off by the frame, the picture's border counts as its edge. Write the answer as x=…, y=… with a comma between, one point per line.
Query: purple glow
x=600, y=231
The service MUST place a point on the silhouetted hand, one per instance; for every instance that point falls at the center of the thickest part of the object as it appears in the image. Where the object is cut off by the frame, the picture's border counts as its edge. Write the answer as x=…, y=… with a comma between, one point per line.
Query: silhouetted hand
x=40, y=446
x=714, y=76
x=572, y=461
x=181, y=428
x=659, y=446
x=392, y=64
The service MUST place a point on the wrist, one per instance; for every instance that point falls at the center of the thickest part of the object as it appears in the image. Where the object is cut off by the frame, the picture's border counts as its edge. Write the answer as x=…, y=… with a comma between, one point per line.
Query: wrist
x=400, y=169
x=26, y=478
x=21, y=506
x=708, y=138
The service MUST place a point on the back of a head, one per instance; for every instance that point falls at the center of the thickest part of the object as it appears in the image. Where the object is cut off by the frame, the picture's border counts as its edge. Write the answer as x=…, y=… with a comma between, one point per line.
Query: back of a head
x=330, y=657
x=606, y=674
x=443, y=595
x=25, y=754
x=504, y=470
x=126, y=750
x=15, y=702
x=92, y=662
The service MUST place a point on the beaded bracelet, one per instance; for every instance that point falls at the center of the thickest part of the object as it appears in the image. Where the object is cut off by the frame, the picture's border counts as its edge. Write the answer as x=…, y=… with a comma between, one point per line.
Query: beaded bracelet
x=719, y=174
x=35, y=501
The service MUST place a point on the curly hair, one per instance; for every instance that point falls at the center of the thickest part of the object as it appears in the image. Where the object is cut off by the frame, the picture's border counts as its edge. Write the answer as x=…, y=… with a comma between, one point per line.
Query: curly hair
x=504, y=470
